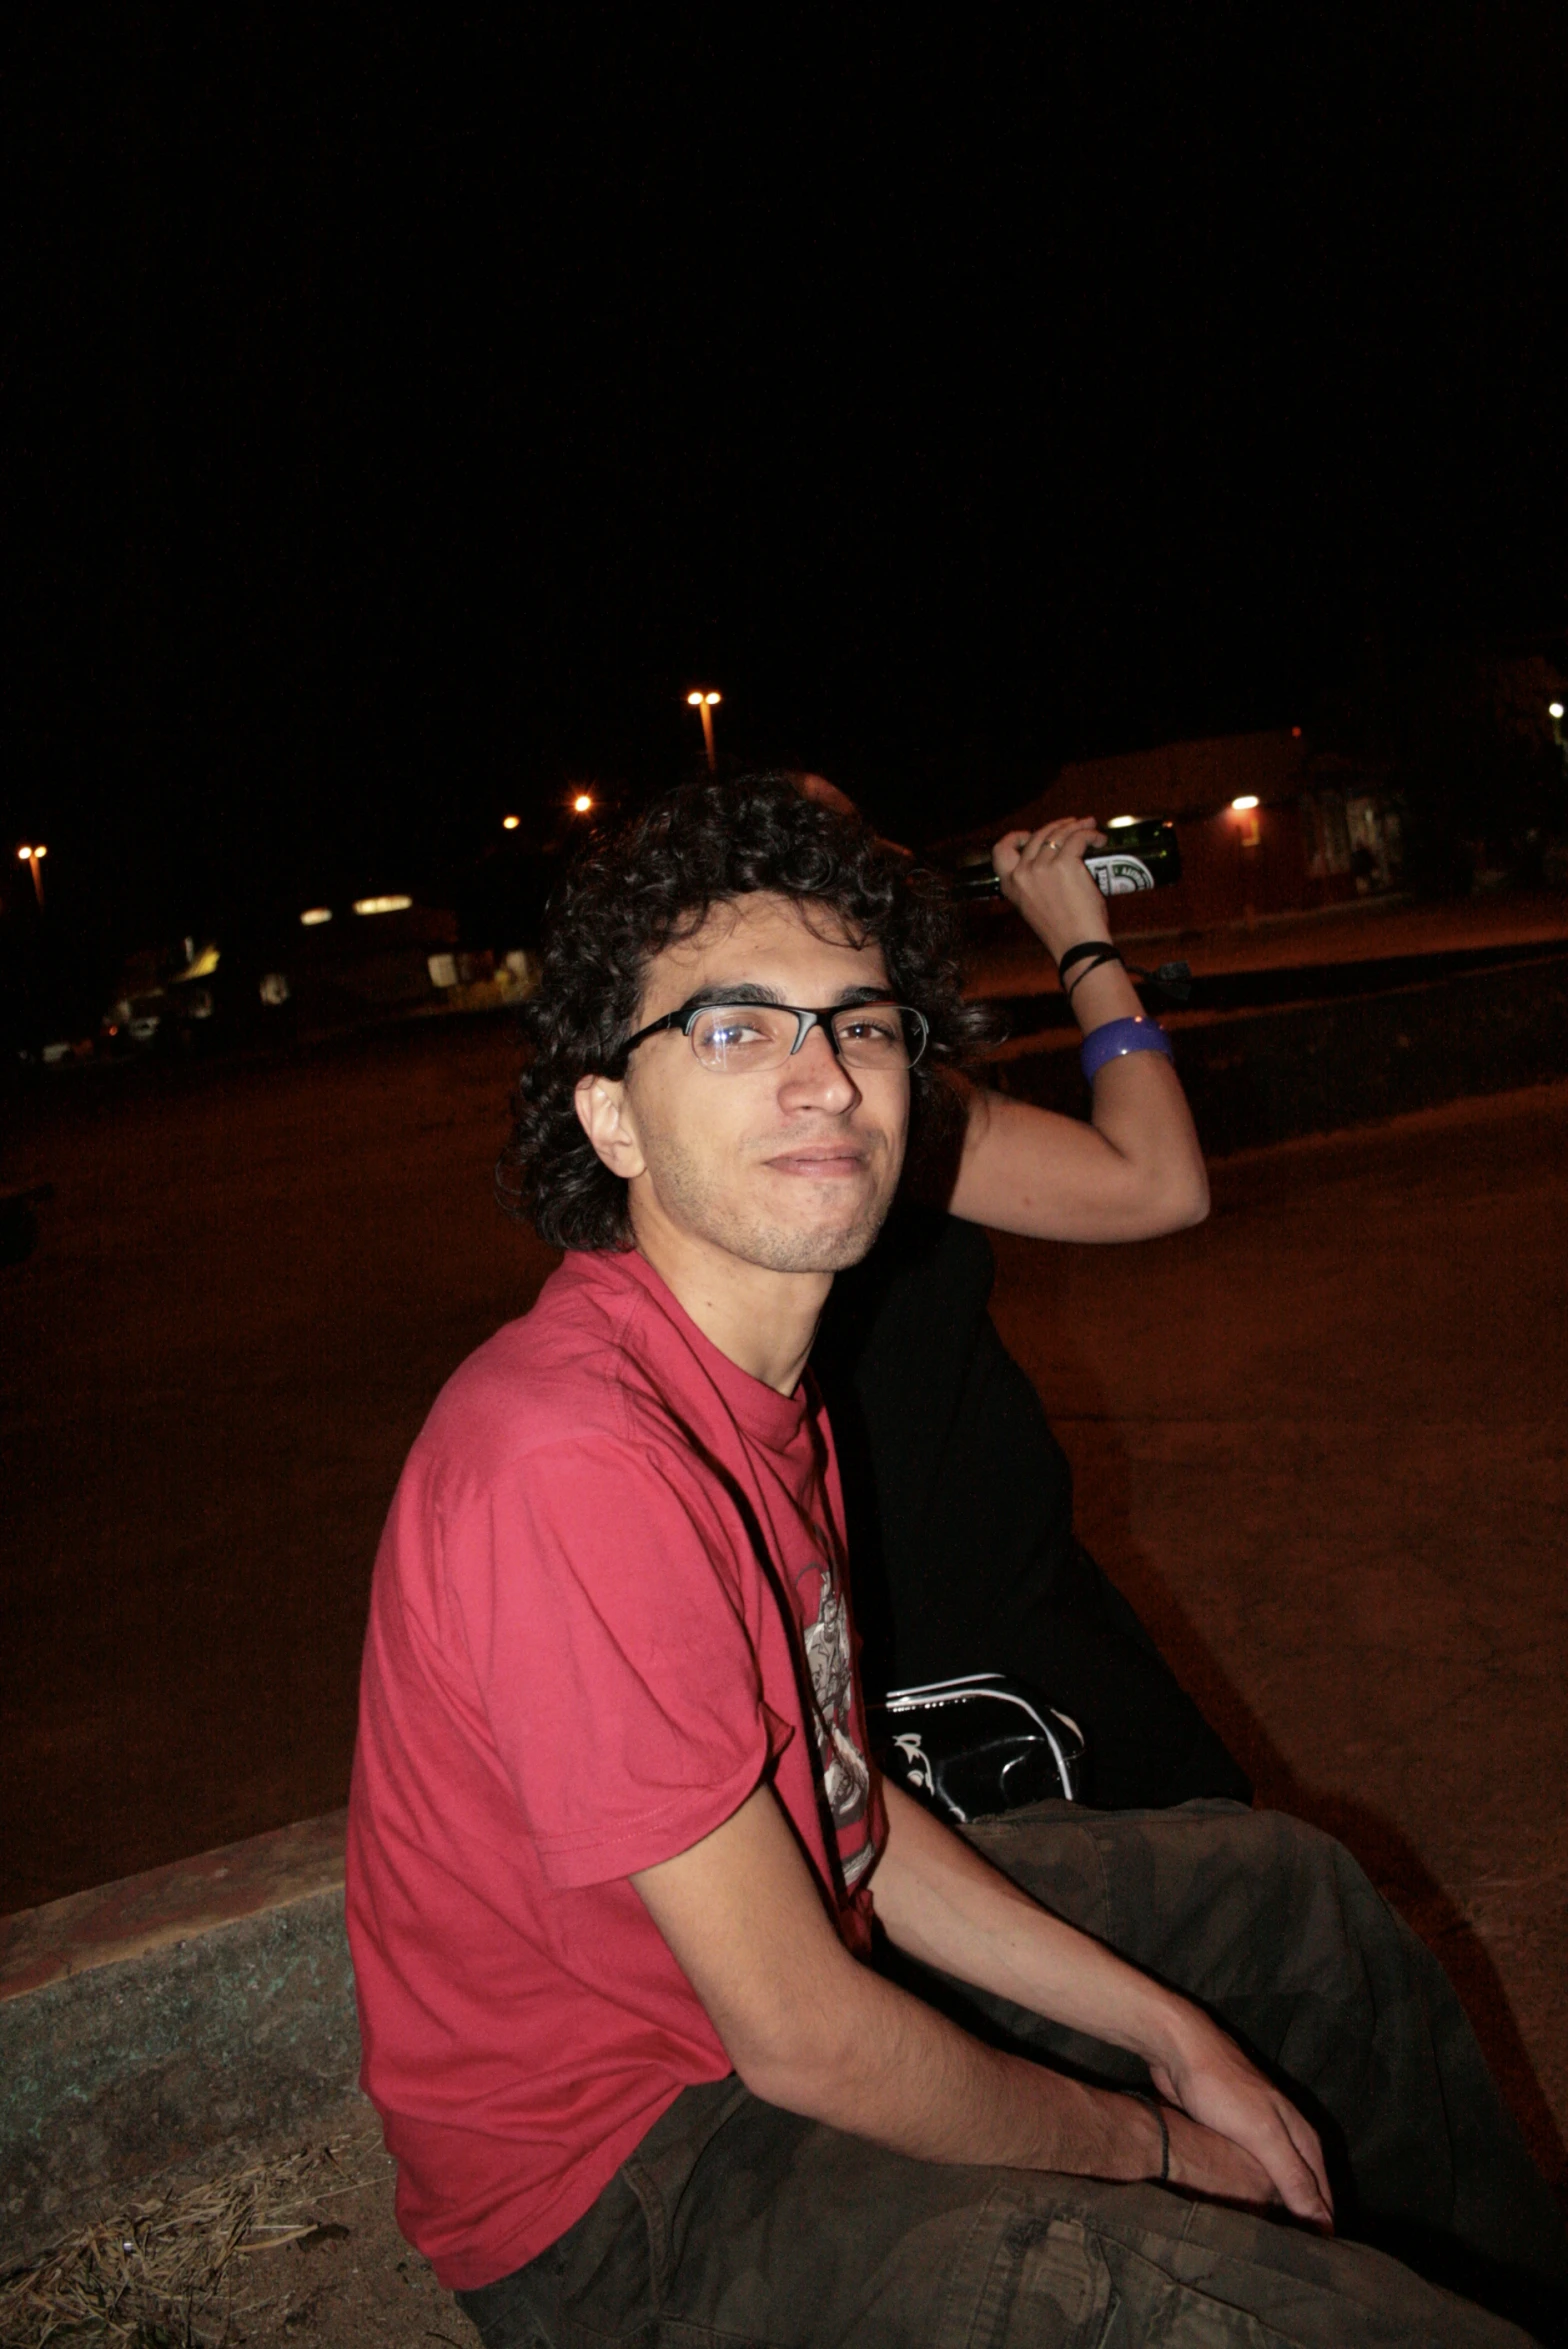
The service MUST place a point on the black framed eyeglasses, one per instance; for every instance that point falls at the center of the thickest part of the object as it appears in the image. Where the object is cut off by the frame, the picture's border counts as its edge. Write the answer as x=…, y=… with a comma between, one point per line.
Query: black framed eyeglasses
x=736, y=1038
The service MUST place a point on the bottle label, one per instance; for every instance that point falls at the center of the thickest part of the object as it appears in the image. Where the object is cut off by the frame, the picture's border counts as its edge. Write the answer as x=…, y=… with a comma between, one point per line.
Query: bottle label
x=1120, y=875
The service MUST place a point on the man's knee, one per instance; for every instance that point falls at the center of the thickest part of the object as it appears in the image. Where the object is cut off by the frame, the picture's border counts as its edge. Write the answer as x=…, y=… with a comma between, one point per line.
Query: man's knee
x=1073, y=2260
x=1212, y=1896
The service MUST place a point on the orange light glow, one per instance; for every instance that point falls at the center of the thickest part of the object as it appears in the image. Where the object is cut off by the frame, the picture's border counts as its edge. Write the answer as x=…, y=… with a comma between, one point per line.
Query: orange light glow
x=375, y=905
x=510, y=823
x=1248, y=799
x=704, y=701
x=314, y=915
x=581, y=804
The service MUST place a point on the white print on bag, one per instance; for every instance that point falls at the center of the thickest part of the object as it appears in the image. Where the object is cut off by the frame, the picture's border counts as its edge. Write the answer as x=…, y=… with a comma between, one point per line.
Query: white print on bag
x=914, y=1753
x=846, y=1778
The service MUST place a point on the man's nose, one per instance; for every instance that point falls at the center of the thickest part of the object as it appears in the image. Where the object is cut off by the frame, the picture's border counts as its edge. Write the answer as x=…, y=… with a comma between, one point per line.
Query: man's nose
x=816, y=1074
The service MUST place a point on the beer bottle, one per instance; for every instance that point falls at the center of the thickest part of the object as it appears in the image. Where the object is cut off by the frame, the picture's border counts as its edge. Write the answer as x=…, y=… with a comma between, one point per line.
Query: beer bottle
x=1141, y=855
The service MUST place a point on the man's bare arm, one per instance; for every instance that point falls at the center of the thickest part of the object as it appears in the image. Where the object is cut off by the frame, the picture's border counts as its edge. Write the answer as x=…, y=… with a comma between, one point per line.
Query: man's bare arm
x=939, y=1901
x=810, y=2030
x=1136, y=1169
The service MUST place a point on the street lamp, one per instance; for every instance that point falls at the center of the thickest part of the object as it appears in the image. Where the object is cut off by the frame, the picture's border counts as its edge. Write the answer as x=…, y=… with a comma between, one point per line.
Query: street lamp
x=1249, y=823
x=33, y=858
x=705, y=704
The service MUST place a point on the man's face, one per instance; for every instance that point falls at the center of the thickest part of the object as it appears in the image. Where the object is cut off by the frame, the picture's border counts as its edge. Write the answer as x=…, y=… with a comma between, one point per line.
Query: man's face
x=791, y=1168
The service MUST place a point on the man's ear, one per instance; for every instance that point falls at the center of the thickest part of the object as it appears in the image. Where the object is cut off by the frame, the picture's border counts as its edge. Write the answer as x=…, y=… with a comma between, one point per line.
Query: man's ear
x=605, y=1115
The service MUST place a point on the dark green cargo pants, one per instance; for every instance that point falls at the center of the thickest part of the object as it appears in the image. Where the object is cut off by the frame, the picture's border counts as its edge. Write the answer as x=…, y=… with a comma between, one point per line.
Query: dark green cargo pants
x=736, y=2223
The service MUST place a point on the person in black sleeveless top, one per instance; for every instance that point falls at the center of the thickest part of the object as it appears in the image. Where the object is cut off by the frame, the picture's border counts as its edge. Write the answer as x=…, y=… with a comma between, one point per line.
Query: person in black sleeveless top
x=960, y=1509
x=959, y=1497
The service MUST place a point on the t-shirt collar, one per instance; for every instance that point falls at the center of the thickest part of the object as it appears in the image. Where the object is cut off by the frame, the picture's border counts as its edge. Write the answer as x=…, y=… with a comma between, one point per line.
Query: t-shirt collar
x=769, y=1417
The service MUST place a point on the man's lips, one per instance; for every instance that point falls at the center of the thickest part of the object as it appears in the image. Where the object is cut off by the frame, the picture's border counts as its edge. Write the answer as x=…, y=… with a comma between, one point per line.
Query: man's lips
x=821, y=1161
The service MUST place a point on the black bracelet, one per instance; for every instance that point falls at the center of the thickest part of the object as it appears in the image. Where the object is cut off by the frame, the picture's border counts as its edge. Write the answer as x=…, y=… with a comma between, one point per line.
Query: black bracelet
x=1091, y=965
x=1158, y=2110
x=1096, y=946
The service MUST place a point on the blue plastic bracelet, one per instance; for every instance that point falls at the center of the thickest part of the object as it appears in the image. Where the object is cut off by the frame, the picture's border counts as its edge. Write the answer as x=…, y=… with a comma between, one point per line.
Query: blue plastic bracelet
x=1119, y=1037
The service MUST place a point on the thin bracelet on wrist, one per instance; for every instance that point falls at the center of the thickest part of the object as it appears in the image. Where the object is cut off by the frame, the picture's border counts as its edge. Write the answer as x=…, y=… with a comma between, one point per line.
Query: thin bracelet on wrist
x=1090, y=951
x=1099, y=964
x=1158, y=2110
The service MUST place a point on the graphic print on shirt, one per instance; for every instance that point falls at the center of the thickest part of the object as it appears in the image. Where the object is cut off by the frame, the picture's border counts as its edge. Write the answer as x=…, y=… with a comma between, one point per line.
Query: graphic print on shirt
x=846, y=1777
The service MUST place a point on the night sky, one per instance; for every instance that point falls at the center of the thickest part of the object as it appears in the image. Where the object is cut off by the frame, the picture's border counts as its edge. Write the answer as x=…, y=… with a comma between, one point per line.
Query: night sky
x=403, y=409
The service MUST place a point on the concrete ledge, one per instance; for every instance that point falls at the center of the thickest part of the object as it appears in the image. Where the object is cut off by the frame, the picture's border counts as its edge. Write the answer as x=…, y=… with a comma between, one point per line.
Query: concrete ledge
x=176, y=2015
x=1255, y=1077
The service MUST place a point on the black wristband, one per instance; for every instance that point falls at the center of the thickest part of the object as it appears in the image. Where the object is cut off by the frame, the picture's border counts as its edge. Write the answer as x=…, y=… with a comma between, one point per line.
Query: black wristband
x=1092, y=963
x=1158, y=2110
x=1096, y=946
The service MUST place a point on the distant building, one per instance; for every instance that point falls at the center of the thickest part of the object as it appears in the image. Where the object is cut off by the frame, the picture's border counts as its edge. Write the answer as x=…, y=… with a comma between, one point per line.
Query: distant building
x=1323, y=830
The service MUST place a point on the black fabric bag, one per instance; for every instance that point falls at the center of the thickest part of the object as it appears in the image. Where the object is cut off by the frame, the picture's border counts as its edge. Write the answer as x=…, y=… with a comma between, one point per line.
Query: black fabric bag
x=972, y=1748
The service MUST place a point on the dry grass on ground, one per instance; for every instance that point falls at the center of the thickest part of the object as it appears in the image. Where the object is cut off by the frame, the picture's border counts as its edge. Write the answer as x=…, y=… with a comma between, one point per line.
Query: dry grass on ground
x=197, y=2267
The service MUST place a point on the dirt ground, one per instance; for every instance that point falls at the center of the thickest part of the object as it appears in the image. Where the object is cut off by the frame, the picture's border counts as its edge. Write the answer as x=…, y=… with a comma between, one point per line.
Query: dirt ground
x=1320, y=1441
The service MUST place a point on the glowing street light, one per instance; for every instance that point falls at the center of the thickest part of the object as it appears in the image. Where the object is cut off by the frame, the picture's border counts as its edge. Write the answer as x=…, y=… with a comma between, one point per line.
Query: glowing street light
x=1249, y=824
x=33, y=859
x=705, y=704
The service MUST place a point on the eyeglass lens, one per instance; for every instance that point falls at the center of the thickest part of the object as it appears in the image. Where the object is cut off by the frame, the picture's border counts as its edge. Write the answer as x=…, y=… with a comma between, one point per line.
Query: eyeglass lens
x=738, y=1036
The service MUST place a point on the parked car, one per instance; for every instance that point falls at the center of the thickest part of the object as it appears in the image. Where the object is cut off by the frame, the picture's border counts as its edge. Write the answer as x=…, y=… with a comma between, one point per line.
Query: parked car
x=166, y=997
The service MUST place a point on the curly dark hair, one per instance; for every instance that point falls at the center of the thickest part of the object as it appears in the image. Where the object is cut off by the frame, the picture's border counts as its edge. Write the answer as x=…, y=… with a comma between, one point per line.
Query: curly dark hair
x=654, y=882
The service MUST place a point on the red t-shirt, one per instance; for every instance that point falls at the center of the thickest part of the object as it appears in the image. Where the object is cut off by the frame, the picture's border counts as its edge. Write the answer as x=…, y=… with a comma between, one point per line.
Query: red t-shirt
x=607, y=1555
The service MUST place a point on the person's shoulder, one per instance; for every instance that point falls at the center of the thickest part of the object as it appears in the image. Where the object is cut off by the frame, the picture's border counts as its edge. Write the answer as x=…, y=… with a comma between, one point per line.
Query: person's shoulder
x=568, y=1380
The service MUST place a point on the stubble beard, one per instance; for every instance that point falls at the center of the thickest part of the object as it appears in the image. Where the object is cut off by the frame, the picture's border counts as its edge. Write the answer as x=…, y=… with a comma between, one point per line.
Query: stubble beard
x=687, y=1192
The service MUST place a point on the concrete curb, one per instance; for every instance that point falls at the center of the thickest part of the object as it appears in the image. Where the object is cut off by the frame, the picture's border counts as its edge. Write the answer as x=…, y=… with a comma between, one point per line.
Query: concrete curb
x=1256, y=1077
x=176, y=2015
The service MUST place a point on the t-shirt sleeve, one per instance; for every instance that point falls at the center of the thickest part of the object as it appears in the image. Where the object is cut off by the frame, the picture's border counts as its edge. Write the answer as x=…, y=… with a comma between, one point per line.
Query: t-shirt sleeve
x=598, y=1592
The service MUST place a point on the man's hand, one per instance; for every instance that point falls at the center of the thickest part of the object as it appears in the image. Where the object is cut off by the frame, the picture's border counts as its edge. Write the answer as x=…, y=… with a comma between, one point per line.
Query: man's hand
x=1248, y=2133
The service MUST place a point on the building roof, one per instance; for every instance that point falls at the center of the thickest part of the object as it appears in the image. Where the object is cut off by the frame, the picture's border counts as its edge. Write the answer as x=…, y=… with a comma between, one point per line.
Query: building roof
x=1178, y=779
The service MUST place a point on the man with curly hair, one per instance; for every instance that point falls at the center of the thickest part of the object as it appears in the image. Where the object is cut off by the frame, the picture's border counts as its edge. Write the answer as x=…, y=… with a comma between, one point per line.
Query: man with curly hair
x=682, y=2024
